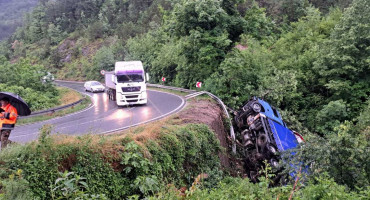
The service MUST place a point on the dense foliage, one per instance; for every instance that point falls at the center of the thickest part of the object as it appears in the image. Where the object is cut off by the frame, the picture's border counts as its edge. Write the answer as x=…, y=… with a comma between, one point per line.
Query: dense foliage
x=308, y=58
x=126, y=168
x=26, y=79
x=237, y=188
x=316, y=69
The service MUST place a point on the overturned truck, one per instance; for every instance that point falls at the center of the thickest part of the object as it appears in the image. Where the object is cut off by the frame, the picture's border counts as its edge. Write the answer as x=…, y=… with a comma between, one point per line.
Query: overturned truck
x=263, y=135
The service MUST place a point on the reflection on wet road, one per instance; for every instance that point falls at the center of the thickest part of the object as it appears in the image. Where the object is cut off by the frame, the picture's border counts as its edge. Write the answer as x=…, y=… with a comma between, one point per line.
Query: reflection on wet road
x=103, y=116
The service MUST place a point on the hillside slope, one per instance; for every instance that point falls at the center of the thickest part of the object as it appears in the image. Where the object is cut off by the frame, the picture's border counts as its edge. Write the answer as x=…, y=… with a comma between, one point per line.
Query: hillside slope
x=12, y=15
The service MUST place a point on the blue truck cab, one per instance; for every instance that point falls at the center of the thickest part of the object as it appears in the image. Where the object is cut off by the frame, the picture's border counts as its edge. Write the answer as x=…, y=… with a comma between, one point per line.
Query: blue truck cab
x=284, y=137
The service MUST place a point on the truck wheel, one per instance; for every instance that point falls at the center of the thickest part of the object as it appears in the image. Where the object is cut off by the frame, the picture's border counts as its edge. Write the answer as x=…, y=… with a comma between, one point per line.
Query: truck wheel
x=256, y=107
x=262, y=140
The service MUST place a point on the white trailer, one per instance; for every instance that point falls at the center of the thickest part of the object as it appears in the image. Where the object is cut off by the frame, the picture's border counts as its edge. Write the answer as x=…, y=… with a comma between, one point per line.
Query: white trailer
x=126, y=84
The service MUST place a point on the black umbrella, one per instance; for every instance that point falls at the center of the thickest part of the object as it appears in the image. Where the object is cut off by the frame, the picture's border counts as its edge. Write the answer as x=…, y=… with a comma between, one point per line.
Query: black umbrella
x=16, y=101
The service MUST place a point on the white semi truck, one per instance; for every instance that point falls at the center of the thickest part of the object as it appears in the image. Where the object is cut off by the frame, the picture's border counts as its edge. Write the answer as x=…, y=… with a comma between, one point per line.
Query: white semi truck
x=126, y=84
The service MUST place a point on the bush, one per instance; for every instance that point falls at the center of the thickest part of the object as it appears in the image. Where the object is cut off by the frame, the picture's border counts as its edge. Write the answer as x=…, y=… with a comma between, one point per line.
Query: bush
x=181, y=156
x=24, y=78
x=100, y=176
x=237, y=188
x=96, y=30
x=15, y=188
x=343, y=156
x=177, y=156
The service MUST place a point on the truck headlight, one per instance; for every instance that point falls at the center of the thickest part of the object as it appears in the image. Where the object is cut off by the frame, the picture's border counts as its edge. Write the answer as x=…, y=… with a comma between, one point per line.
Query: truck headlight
x=144, y=95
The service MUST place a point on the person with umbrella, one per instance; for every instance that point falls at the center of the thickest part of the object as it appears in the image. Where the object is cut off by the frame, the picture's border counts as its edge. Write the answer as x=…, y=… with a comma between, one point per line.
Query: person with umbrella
x=12, y=106
x=8, y=118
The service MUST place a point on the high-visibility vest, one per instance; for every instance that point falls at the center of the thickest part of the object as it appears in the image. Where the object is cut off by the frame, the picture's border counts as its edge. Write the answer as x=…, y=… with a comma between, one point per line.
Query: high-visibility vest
x=8, y=118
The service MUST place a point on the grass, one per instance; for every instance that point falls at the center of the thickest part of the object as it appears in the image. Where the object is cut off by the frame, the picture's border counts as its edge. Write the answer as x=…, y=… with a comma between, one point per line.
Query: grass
x=183, y=94
x=84, y=104
x=169, y=91
x=68, y=96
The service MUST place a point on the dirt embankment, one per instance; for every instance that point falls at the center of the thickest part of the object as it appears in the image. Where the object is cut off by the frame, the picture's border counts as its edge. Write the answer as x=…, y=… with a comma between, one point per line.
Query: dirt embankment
x=208, y=112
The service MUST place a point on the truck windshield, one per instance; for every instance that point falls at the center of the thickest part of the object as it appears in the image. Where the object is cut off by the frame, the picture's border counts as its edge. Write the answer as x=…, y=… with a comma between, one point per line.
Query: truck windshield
x=130, y=78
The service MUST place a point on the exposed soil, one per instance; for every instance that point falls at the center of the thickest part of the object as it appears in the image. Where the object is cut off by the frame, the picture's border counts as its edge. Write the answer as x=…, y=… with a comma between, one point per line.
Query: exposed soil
x=67, y=163
x=207, y=112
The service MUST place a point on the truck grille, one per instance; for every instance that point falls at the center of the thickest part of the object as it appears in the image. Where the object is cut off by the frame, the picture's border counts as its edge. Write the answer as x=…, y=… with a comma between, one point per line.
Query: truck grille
x=130, y=101
x=132, y=96
x=131, y=89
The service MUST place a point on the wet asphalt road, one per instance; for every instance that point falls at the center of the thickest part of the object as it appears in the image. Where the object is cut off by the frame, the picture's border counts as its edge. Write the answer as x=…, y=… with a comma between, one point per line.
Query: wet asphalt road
x=103, y=116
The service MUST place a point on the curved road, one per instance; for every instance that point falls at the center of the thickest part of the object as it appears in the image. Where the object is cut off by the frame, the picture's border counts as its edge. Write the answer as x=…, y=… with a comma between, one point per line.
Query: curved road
x=103, y=116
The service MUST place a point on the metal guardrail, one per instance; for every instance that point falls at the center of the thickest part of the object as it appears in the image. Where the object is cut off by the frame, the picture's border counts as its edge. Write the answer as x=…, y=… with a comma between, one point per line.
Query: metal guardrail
x=194, y=94
x=52, y=110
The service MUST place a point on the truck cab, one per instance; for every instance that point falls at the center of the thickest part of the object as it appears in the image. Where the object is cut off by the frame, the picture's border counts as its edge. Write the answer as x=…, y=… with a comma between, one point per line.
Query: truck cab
x=126, y=84
x=263, y=134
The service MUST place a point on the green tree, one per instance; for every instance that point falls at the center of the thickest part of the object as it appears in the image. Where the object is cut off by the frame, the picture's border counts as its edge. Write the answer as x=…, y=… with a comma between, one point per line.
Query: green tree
x=241, y=74
x=37, y=27
x=203, y=52
x=146, y=48
x=344, y=62
x=103, y=60
x=258, y=24
x=343, y=155
x=25, y=79
x=330, y=117
x=325, y=5
x=294, y=9
x=55, y=34
x=198, y=15
x=296, y=51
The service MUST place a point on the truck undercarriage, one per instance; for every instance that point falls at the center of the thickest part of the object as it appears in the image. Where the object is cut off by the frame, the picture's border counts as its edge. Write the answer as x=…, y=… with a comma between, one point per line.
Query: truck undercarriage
x=263, y=135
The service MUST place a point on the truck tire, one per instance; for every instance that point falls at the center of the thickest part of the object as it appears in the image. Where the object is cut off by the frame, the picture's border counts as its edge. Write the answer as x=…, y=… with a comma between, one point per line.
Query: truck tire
x=114, y=96
x=262, y=140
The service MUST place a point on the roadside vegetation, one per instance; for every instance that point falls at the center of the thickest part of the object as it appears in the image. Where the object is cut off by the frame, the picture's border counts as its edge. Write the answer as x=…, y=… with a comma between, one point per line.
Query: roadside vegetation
x=25, y=78
x=68, y=95
x=174, y=158
x=131, y=165
x=84, y=104
x=309, y=58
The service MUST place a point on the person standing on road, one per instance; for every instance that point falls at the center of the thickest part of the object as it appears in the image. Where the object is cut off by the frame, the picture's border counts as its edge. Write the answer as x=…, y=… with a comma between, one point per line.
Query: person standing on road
x=8, y=118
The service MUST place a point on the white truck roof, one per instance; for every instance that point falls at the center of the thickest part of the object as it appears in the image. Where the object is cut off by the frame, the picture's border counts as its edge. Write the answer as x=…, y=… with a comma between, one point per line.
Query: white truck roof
x=128, y=66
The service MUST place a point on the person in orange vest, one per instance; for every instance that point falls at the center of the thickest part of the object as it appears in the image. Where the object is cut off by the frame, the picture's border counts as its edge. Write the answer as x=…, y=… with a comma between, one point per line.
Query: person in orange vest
x=8, y=118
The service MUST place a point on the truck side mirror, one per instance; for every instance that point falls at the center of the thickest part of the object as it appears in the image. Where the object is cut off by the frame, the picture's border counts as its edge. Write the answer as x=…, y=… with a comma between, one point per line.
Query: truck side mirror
x=147, y=77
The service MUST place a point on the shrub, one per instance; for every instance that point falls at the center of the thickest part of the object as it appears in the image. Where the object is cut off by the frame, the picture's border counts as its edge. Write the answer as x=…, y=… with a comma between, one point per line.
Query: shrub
x=177, y=156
